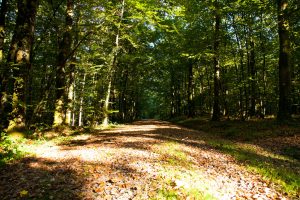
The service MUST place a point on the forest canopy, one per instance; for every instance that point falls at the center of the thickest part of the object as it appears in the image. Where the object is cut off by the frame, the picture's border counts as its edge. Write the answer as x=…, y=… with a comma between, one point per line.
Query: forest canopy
x=86, y=63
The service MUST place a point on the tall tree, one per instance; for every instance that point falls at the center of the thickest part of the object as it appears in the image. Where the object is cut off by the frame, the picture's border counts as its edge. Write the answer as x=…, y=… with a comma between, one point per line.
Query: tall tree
x=112, y=65
x=217, y=70
x=190, y=101
x=3, y=11
x=15, y=83
x=63, y=55
x=284, y=61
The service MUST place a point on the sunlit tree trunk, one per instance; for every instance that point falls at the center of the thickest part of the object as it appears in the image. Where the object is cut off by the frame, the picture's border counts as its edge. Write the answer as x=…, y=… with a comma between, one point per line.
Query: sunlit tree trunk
x=62, y=58
x=3, y=11
x=113, y=62
x=15, y=83
x=216, y=107
x=70, y=91
x=73, y=105
x=284, y=61
x=80, y=123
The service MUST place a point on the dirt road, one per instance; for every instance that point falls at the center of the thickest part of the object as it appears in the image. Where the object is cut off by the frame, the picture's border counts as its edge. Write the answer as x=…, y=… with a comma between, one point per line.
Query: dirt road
x=148, y=159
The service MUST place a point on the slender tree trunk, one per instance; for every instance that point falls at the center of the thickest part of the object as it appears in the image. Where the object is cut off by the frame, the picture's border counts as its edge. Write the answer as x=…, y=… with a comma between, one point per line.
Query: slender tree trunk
x=209, y=89
x=15, y=83
x=80, y=123
x=264, y=77
x=217, y=78
x=252, y=78
x=62, y=58
x=73, y=103
x=284, y=62
x=111, y=70
x=70, y=91
x=191, y=108
x=242, y=84
x=122, y=97
x=106, y=103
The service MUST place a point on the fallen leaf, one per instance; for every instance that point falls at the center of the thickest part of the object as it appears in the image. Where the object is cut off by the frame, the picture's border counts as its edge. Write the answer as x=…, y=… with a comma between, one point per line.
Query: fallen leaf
x=23, y=193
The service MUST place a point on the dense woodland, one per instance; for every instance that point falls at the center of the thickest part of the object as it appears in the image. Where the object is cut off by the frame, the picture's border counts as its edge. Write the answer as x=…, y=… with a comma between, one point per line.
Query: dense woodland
x=86, y=63
x=217, y=80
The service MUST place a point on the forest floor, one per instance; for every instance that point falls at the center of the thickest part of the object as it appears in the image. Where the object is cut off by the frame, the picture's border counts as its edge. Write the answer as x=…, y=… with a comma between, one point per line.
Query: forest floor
x=153, y=160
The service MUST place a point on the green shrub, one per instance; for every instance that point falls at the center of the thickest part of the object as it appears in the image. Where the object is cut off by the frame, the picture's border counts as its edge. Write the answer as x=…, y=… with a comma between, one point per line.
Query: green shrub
x=10, y=149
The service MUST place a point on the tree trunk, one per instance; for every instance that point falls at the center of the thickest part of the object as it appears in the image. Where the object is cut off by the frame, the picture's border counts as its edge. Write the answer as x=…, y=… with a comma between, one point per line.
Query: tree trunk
x=284, y=62
x=252, y=78
x=63, y=56
x=3, y=11
x=73, y=104
x=3, y=70
x=70, y=92
x=80, y=123
x=216, y=107
x=112, y=69
x=15, y=82
x=191, y=108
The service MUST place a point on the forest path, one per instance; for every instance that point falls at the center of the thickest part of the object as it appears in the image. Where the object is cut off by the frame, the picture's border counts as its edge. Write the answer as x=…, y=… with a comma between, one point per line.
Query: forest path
x=144, y=160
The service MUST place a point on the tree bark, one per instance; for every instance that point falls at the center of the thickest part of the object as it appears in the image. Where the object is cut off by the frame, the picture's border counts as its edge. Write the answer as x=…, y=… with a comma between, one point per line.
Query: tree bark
x=15, y=83
x=191, y=107
x=252, y=78
x=284, y=62
x=111, y=70
x=3, y=11
x=217, y=78
x=61, y=76
x=80, y=122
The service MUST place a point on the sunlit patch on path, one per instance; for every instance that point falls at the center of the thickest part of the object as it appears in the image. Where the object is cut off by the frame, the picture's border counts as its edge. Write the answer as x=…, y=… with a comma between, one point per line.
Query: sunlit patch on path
x=148, y=159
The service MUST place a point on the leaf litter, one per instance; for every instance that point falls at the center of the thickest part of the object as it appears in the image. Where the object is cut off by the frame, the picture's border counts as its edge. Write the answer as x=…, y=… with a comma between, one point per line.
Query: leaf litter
x=145, y=160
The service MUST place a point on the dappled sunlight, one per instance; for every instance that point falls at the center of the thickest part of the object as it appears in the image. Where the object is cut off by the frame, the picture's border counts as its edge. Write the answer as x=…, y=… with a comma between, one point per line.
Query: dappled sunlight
x=262, y=151
x=140, y=161
x=209, y=172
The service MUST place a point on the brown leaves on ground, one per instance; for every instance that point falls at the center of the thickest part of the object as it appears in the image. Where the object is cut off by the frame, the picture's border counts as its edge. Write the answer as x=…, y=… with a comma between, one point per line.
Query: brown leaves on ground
x=148, y=159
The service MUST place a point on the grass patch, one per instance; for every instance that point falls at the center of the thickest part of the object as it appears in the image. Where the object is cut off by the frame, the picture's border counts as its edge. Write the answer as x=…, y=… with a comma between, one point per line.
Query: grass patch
x=166, y=194
x=172, y=154
x=241, y=130
x=273, y=168
x=174, y=184
x=17, y=145
x=180, y=179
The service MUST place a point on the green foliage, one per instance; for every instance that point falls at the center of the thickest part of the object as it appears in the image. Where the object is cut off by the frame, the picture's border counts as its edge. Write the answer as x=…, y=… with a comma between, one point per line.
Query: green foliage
x=11, y=149
x=151, y=46
x=166, y=195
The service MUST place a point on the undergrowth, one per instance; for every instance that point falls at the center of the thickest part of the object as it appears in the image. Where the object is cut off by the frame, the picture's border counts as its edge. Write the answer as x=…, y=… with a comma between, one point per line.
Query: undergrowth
x=11, y=148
